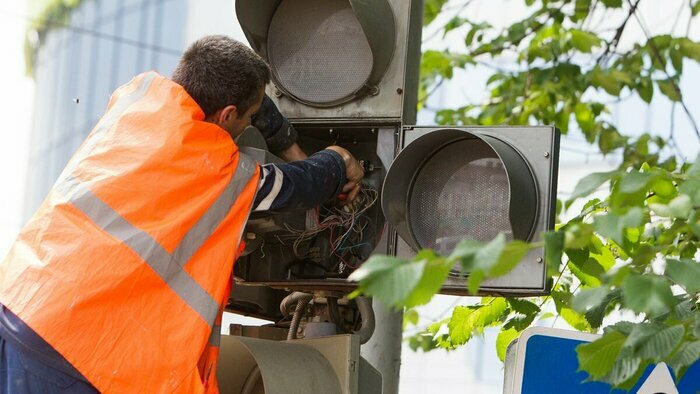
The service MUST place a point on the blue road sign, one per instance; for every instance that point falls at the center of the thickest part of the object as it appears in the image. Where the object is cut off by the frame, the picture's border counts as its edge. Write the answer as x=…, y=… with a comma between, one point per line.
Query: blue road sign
x=545, y=362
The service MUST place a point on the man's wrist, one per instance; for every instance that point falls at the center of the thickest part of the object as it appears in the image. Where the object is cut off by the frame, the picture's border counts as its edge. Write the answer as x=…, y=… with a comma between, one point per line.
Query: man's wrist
x=344, y=154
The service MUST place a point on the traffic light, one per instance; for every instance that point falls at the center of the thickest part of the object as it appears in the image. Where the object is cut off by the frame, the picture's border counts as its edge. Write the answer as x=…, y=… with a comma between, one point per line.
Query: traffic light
x=322, y=53
x=452, y=183
x=345, y=72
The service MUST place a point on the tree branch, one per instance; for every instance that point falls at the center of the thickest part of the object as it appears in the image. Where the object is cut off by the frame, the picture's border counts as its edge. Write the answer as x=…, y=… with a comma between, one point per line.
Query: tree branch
x=612, y=44
x=657, y=55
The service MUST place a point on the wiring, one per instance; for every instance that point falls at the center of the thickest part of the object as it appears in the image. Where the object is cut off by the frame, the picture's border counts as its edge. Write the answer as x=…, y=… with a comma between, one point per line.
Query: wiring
x=334, y=238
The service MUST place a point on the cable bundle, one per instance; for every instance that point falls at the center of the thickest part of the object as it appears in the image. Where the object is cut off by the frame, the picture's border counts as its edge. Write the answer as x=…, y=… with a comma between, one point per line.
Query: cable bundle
x=345, y=228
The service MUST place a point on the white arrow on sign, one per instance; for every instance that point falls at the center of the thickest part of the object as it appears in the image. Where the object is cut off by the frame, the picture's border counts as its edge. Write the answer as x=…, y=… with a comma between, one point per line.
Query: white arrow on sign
x=659, y=381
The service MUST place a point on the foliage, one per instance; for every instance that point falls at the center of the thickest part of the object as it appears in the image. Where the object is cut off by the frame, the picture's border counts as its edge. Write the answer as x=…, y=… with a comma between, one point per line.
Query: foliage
x=630, y=253
x=46, y=15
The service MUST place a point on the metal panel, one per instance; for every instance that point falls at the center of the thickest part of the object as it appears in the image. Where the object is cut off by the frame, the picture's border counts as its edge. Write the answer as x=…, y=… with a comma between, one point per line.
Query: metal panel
x=540, y=147
x=321, y=365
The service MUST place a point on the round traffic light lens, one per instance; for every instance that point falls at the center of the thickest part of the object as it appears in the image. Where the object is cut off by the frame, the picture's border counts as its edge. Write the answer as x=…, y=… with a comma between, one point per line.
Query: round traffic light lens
x=459, y=192
x=318, y=51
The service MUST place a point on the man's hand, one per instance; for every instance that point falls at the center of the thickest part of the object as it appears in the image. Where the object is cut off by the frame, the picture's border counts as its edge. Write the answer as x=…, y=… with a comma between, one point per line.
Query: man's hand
x=353, y=173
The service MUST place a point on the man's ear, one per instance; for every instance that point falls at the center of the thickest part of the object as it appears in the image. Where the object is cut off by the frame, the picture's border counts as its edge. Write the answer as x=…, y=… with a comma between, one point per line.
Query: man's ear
x=227, y=114
x=223, y=116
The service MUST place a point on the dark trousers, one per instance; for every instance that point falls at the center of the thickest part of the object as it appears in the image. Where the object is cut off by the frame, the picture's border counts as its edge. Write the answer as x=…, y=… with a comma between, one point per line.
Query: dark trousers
x=20, y=374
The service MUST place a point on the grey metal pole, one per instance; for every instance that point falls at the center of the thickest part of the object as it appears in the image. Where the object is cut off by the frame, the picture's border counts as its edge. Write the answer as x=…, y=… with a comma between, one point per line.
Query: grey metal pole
x=383, y=350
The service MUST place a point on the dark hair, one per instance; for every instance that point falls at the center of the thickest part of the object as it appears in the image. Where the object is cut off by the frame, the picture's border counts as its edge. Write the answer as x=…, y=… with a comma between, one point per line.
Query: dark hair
x=218, y=71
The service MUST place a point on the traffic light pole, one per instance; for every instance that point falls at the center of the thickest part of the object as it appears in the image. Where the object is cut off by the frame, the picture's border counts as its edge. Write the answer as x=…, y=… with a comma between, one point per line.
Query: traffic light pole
x=383, y=350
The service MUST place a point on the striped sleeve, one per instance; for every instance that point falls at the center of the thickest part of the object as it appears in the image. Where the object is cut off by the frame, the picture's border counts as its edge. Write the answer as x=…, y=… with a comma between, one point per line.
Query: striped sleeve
x=301, y=184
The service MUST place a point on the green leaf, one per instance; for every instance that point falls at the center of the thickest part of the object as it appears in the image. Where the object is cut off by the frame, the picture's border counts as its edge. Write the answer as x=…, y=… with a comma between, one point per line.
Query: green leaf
x=487, y=256
x=659, y=343
x=690, y=48
x=606, y=80
x=431, y=9
x=553, y=249
x=464, y=252
x=584, y=41
x=696, y=8
x=584, y=117
x=685, y=273
x=694, y=223
x=625, y=372
x=410, y=317
x=589, y=298
x=581, y=10
x=596, y=314
x=645, y=88
x=679, y=207
x=598, y=357
x=613, y=3
x=433, y=276
x=676, y=59
x=664, y=188
x=575, y=319
x=591, y=183
x=505, y=337
x=685, y=357
x=691, y=188
x=648, y=294
x=474, y=281
x=387, y=278
x=466, y=321
x=422, y=341
x=613, y=226
x=668, y=88
x=523, y=306
x=511, y=255
x=634, y=182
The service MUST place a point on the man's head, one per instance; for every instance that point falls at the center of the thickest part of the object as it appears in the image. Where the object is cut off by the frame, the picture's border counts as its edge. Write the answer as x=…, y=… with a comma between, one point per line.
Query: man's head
x=226, y=78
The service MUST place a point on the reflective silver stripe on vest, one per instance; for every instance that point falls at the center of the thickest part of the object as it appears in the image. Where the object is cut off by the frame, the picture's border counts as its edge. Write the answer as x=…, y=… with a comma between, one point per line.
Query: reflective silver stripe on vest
x=108, y=121
x=215, y=336
x=144, y=246
x=168, y=267
x=210, y=220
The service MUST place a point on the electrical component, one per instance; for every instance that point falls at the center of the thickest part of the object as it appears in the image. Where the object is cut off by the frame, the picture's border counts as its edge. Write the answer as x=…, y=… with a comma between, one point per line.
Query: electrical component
x=338, y=239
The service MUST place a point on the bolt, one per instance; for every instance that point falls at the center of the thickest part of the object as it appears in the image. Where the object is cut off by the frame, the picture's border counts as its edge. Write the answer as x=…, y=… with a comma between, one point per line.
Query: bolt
x=374, y=90
x=546, y=154
x=330, y=131
x=540, y=260
x=76, y=100
x=399, y=91
x=278, y=93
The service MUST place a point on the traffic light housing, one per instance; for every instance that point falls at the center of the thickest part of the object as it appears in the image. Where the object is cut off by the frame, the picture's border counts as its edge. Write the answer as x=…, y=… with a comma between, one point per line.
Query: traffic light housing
x=322, y=53
x=452, y=183
x=435, y=185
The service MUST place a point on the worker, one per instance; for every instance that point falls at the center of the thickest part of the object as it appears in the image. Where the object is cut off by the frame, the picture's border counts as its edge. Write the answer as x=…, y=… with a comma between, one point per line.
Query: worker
x=118, y=281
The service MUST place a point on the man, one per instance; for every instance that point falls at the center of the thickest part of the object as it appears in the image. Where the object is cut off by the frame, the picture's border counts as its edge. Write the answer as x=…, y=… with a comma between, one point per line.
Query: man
x=118, y=282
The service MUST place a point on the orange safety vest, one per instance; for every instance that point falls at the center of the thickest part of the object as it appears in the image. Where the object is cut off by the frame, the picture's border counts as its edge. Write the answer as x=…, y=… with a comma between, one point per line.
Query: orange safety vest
x=126, y=266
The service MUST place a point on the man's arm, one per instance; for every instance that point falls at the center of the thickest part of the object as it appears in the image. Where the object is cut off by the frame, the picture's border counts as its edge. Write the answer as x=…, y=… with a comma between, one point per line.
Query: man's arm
x=307, y=183
x=280, y=135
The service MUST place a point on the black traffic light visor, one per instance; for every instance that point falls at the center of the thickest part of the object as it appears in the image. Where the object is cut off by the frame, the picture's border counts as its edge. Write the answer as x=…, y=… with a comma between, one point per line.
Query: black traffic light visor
x=453, y=184
x=321, y=52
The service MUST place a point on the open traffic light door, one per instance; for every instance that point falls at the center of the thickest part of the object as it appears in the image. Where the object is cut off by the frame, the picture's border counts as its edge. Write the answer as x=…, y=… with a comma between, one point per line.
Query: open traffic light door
x=452, y=183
